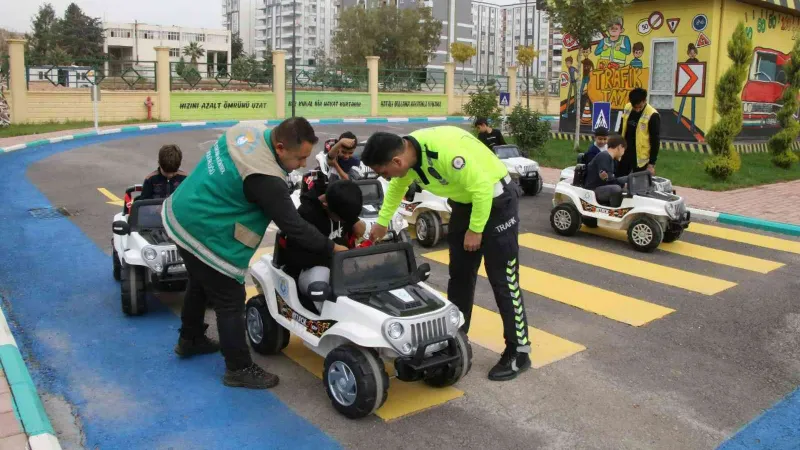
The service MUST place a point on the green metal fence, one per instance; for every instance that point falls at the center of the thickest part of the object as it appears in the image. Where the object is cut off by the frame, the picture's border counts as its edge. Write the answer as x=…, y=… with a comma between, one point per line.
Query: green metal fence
x=4, y=71
x=238, y=76
x=109, y=75
x=539, y=86
x=328, y=78
x=411, y=80
x=469, y=83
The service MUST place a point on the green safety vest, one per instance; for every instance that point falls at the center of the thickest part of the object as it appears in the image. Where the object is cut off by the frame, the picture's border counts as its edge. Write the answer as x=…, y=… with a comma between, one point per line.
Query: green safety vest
x=209, y=215
x=454, y=164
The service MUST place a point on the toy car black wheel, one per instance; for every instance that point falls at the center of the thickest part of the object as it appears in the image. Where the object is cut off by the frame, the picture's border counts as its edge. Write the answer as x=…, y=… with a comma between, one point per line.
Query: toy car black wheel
x=355, y=380
x=266, y=336
x=428, y=228
x=645, y=234
x=452, y=374
x=535, y=189
x=133, y=291
x=117, y=265
x=565, y=219
x=672, y=236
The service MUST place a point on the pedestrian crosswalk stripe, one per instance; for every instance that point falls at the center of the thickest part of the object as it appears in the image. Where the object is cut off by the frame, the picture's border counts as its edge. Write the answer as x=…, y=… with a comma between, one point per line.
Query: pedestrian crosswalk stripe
x=625, y=265
x=404, y=398
x=699, y=252
x=744, y=237
x=574, y=293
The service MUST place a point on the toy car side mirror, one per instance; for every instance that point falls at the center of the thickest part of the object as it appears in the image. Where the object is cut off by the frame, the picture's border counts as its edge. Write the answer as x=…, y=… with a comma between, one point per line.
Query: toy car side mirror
x=422, y=273
x=319, y=291
x=121, y=228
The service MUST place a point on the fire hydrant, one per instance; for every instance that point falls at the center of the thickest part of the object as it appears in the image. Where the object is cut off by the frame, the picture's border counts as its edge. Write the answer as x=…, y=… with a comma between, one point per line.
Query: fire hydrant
x=149, y=104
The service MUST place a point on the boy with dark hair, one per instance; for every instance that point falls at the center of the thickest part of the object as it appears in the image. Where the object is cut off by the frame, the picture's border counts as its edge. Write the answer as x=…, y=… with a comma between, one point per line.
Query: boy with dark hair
x=340, y=155
x=600, y=144
x=488, y=135
x=640, y=125
x=600, y=172
x=163, y=181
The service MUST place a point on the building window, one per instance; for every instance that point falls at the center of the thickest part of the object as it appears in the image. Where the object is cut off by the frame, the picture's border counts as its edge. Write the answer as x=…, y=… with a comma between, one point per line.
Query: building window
x=173, y=36
x=174, y=52
x=119, y=33
x=148, y=34
x=663, y=74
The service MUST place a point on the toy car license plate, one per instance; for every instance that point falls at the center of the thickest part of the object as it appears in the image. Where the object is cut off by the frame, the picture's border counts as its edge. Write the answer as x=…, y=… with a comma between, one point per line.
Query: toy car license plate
x=176, y=269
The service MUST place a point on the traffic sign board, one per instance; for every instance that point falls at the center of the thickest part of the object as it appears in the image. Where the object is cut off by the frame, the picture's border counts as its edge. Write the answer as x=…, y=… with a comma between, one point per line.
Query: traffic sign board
x=691, y=80
x=656, y=20
x=673, y=24
x=702, y=41
x=700, y=22
x=601, y=115
x=505, y=99
x=564, y=79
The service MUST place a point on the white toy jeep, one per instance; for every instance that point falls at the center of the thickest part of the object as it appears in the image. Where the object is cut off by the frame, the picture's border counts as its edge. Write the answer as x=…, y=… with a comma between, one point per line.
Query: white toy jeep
x=144, y=258
x=375, y=309
x=524, y=171
x=660, y=184
x=650, y=216
x=429, y=213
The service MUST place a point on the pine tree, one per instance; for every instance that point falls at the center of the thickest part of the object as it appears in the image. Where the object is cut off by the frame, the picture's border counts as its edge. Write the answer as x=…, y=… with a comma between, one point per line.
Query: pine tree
x=79, y=35
x=726, y=160
x=43, y=40
x=781, y=143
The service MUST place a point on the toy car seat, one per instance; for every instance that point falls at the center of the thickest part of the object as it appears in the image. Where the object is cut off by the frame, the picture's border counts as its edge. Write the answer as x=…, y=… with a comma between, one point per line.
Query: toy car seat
x=609, y=195
x=580, y=158
x=278, y=249
x=580, y=175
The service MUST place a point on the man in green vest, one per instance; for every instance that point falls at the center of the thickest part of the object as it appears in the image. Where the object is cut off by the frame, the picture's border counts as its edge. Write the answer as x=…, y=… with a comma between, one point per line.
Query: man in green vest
x=641, y=127
x=450, y=162
x=218, y=217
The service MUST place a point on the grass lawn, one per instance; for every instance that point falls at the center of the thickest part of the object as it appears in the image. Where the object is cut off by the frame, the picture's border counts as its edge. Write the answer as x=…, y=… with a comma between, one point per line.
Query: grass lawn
x=683, y=168
x=49, y=127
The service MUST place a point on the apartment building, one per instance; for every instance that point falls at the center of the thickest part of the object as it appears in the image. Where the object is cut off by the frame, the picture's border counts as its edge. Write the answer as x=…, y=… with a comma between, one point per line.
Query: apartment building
x=266, y=25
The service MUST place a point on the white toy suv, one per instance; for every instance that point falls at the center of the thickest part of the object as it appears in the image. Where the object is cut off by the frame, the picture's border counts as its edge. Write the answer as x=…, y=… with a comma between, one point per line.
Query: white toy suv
x=144, y=258
x=522, y=170
x=429, y=213
x=375, y=310
x=650, y=216
x=660, y=184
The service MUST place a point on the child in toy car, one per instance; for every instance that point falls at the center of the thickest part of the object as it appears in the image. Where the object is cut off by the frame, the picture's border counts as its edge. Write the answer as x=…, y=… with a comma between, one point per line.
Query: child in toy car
x=334, y=212
x=600, y=172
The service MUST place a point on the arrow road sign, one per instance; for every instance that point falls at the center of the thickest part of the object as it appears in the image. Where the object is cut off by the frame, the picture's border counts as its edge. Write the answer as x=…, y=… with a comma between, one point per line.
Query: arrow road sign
x=691, y=80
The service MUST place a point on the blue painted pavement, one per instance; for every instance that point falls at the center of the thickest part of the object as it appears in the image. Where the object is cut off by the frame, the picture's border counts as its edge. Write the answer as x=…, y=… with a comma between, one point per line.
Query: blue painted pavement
x=128, y=387
x=776, y=429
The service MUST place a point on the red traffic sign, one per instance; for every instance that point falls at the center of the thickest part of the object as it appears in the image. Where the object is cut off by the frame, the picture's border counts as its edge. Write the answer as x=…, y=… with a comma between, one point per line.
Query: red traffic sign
x=564, y=79
x=702, y=41
x=656, y=20
x=673, y=24
x=691, y=80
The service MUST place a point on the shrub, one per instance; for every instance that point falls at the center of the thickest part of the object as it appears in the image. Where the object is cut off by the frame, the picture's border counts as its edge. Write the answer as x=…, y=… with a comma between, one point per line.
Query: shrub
x=528, y=129
x=726, y=160
x=780, y=144
x=485, y=103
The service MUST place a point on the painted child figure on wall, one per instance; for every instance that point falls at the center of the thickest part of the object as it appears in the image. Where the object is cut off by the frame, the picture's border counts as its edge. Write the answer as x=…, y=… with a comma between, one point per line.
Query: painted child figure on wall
x=638, y=51
x=691, y=51
x=616, y=47
x=587, y=66
x=573, y=86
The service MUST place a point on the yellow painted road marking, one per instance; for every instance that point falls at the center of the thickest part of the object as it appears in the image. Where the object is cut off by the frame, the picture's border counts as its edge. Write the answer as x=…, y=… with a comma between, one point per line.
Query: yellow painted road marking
x=744, y=237
x=404, y=398
x=114, y=200
x=599, y=301
x=486, y=330
x=699, y=252
x=625, y=265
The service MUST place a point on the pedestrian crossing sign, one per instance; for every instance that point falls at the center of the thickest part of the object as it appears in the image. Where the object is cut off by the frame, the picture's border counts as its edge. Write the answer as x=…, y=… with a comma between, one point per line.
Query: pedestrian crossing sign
x=601, y=115
x=505, y=99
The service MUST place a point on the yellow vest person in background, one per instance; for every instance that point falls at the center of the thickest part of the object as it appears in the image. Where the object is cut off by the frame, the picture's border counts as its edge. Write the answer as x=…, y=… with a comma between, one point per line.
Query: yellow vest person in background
x=641, y=128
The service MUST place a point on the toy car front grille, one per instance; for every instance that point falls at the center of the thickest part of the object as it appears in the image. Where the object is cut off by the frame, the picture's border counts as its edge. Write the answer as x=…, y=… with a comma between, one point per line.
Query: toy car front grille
x=172, y=256
x=429, y=329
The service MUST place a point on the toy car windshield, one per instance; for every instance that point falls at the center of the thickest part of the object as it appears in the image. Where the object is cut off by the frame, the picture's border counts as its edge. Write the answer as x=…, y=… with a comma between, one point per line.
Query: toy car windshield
x=371, y=269
x=147, y=217
x=506, y=151
x=372, y=195
x=639, y=183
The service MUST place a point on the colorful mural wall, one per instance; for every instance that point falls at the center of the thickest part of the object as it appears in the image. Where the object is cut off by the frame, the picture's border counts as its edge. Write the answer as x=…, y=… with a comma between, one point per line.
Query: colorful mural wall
x=669, y=49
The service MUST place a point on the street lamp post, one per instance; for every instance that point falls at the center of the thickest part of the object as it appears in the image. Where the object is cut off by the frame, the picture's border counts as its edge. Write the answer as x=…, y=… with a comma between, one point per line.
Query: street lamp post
x=294, y=48
x=527, y=66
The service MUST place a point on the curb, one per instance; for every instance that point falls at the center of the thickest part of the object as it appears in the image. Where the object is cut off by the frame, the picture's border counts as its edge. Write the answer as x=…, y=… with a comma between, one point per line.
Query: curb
x=28, y=406
x=230, y=123
x=734, y=219
x=692, y=147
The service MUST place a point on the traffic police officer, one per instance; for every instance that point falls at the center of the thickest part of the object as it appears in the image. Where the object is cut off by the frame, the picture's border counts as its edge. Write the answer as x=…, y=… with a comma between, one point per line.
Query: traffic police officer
x=450, y=162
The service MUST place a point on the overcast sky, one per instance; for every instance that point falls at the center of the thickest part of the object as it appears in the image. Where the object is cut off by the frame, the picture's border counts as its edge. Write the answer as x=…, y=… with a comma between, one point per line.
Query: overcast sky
x=17, y=15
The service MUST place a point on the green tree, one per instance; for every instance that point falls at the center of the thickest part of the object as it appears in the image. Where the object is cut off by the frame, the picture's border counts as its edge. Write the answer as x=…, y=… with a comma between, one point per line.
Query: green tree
x=484, y=104
x=42, y=41
x=194, y=51
x=237, y=46
x=720, y=136
x=180, y=67
x=583, y=20
x=79, y=35
x=529, y=131
x=525, y=57
x=781, y=142
x=462, y=53
x=401, y=37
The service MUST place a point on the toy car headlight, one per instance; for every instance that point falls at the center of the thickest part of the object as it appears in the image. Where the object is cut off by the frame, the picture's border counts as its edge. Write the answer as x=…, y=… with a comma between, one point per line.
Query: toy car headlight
x=533, y=167
x=520, y=169
x=395, y=330
x=672, y=210
x=149, y=253
x=397, y=222
x=454, y=316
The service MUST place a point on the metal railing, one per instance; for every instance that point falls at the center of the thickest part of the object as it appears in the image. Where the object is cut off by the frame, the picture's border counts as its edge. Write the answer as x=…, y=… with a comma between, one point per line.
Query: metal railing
x=109, y=75
x=328, y=78
x=411, y=80
x=468, y=83
x=238, y=76
x=539, y=86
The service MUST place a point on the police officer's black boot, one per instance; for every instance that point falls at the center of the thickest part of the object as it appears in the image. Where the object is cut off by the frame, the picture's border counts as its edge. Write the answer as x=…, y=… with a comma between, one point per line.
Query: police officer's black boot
x=511, y=364
x=199, y=345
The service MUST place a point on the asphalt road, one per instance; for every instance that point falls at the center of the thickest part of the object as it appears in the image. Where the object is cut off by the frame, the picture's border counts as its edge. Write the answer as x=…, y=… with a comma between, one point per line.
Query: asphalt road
x=687, y=378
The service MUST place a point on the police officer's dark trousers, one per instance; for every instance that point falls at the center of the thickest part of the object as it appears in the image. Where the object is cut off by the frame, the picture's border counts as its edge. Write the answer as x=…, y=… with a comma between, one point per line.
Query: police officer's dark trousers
x=500, y=248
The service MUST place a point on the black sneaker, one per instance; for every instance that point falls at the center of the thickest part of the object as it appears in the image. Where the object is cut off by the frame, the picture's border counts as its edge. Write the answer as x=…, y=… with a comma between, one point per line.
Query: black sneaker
x=253, y=377
x=197, y=346
x=510, y=365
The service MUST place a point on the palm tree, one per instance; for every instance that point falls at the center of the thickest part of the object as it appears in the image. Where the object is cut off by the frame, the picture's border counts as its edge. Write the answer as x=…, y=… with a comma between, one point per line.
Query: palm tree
x=194, y=51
